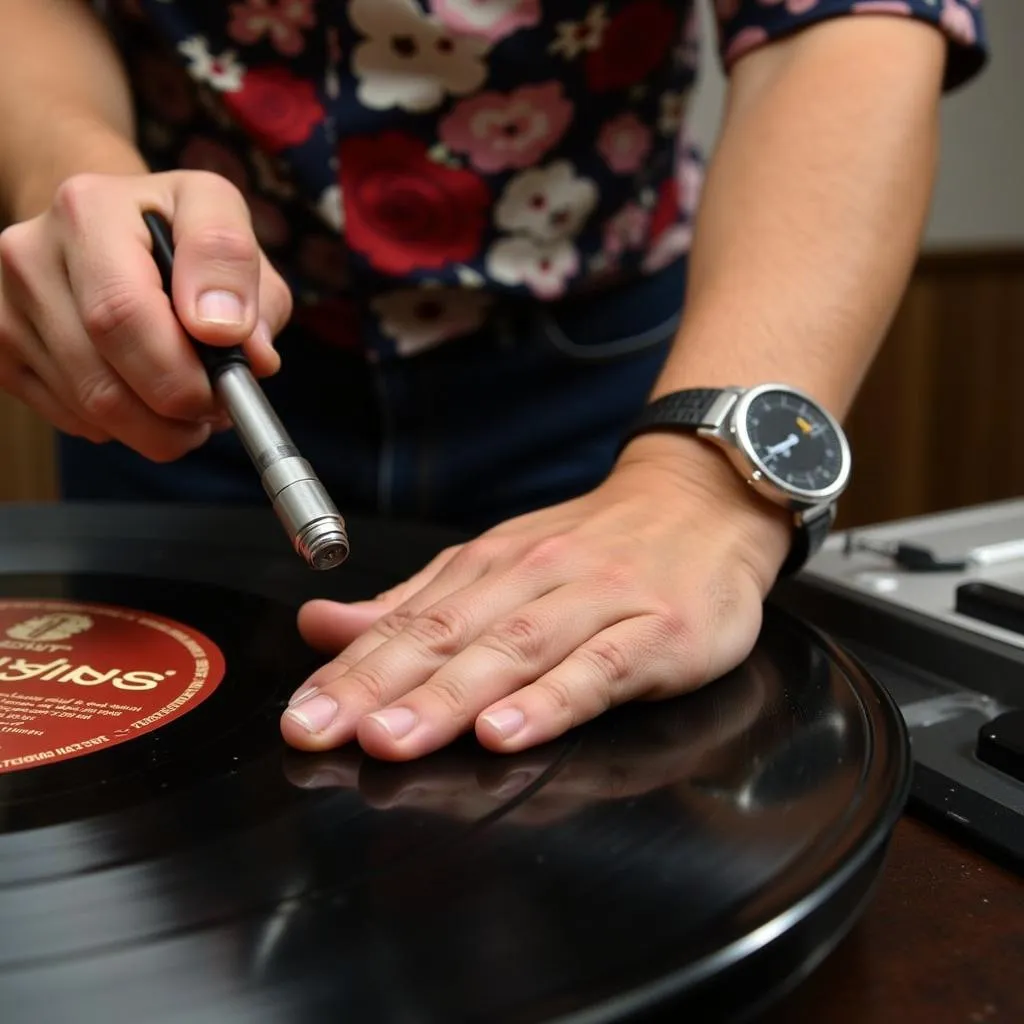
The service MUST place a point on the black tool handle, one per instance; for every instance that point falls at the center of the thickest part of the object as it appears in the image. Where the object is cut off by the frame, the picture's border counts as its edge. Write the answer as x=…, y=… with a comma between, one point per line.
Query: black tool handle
x=215, y=358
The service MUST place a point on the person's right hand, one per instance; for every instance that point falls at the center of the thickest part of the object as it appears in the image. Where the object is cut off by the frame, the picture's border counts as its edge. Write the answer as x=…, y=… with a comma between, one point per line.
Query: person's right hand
x=89, y=340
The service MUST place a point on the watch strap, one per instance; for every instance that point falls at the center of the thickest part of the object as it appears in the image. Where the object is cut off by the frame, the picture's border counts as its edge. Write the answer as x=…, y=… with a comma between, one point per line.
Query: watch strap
x=808, y=538
x=681, y=409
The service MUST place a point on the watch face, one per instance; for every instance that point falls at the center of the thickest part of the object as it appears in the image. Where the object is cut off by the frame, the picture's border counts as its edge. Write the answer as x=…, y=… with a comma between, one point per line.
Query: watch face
x=794, y=441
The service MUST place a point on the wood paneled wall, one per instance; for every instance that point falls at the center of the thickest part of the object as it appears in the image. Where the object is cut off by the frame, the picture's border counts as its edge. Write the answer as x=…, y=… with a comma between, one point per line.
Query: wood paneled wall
x=938, y=424
x=26, y=454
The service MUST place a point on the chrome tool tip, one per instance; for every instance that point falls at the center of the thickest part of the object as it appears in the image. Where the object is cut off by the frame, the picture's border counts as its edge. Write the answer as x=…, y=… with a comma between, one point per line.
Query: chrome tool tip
x=324, y=544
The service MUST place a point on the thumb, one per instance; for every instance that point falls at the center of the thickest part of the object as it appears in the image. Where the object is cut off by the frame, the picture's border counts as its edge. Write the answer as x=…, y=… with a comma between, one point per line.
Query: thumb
x=330, y=626
x=216, y=261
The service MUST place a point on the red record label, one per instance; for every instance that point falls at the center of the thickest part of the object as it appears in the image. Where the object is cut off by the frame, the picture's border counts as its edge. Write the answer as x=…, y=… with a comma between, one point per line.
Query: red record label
x=76, y=678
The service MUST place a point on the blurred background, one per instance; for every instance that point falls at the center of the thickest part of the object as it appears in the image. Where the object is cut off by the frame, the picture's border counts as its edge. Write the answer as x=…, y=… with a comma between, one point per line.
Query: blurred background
x=938, y=423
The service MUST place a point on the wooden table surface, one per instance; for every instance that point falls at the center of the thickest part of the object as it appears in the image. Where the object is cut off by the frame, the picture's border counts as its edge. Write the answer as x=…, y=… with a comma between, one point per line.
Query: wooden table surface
x=942, y=942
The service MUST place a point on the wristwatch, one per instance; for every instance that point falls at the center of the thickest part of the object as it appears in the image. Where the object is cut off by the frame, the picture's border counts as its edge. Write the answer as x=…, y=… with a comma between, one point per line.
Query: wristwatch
x=786, y=446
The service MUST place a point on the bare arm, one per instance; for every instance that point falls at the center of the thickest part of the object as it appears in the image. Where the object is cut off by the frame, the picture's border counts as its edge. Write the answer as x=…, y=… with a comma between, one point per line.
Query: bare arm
x=809, y=224
x=65, y=106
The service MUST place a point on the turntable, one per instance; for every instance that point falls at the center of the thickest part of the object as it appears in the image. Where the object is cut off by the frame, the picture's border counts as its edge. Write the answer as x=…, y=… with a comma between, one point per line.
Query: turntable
x=164, y=857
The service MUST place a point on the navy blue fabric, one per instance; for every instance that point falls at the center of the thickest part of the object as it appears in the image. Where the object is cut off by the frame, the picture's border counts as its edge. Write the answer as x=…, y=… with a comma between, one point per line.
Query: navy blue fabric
x=529, y=412
x=483, y=209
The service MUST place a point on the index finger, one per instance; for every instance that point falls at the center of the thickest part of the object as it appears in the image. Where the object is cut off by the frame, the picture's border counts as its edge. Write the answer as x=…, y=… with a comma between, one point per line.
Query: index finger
x=120, y=300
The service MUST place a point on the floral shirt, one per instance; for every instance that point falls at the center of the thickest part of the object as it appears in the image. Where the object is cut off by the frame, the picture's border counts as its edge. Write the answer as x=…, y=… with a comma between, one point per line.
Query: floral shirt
x=409, y=163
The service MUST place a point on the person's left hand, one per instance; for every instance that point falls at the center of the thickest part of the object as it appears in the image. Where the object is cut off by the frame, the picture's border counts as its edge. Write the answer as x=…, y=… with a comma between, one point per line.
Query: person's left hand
x=649, y=586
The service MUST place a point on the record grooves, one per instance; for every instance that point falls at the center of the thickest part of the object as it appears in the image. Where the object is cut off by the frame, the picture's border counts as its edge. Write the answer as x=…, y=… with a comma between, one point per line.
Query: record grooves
x=694, y=856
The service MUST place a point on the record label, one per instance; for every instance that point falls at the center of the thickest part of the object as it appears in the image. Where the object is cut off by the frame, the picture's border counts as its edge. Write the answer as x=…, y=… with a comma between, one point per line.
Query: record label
x=77, y=677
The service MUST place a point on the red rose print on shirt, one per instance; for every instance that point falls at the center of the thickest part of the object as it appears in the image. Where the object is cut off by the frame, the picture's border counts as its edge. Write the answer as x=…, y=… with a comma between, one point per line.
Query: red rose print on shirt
x=335, y=321
x=635, y=42
x=276, y=108
x=406, y=212
x=666, y=212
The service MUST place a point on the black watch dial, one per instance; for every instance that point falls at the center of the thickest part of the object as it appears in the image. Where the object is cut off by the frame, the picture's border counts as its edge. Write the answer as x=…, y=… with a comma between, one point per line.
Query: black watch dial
x=794, y=441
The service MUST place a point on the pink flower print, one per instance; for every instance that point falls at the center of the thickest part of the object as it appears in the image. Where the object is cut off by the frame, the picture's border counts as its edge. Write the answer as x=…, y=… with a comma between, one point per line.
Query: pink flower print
x=281, y=20
x=726, y=9
x=500, y=131
x=492, y=19
x=958, y=22
x=792, y=6
x=626, y=230
x=624, y=143
x=744, y=41
x=881, y=7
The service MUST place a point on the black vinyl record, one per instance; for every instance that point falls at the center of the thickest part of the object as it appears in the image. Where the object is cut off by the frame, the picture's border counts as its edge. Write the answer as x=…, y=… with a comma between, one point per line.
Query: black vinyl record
x=689, y=859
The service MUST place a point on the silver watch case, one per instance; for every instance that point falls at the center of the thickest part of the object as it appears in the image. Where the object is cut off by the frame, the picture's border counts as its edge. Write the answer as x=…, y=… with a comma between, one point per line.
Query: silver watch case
x=725, y=424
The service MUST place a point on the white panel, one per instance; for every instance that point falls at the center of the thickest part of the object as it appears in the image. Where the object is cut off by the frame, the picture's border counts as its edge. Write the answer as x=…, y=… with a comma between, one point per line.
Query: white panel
x=979, y=198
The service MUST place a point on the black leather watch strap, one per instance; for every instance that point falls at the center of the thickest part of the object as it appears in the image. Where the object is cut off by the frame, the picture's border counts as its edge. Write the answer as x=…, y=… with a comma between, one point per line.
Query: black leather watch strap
x=681, y=409
x=807, y=540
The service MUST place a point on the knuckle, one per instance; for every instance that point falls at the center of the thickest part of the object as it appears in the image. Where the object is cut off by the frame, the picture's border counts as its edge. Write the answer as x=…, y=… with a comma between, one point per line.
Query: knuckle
x=74, y=195
x=211, y=181
x=111, y=310
x=224, y=245
x=393, y=623
x=368, y=683
x=671, y=627
x=518, y=639
x=482, y=552
x=610, y=658
x=100, y=396
x=452, y=696
x=442, y=630
x=175, y=396
x=548, y=554
x=617, y=577
x=560, y=698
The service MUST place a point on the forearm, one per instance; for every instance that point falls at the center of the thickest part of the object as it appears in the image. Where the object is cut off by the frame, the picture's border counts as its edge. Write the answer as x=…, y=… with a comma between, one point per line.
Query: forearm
x=813, y=209
x=65, y=107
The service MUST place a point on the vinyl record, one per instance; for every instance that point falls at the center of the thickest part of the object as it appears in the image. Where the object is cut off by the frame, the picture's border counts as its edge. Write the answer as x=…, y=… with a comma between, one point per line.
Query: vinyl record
x=164, y=856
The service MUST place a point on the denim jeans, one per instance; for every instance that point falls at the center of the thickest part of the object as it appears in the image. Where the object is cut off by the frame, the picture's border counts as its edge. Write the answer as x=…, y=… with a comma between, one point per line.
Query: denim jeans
x=525, y=413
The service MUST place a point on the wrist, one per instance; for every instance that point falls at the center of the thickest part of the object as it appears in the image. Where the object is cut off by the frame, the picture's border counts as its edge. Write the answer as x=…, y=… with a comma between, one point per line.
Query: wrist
x=705, y=480
x=80, y=145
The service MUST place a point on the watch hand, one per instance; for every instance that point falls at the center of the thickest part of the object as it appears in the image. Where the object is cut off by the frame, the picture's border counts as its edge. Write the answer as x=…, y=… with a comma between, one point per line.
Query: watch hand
x=783, y=446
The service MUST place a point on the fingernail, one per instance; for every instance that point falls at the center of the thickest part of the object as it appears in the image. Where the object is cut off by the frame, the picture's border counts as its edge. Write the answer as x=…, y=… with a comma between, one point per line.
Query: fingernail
x=263, y=335
x=506, y=722
x=315, y=714
x=396, y=722
x=220, y=307
x=304, y=693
